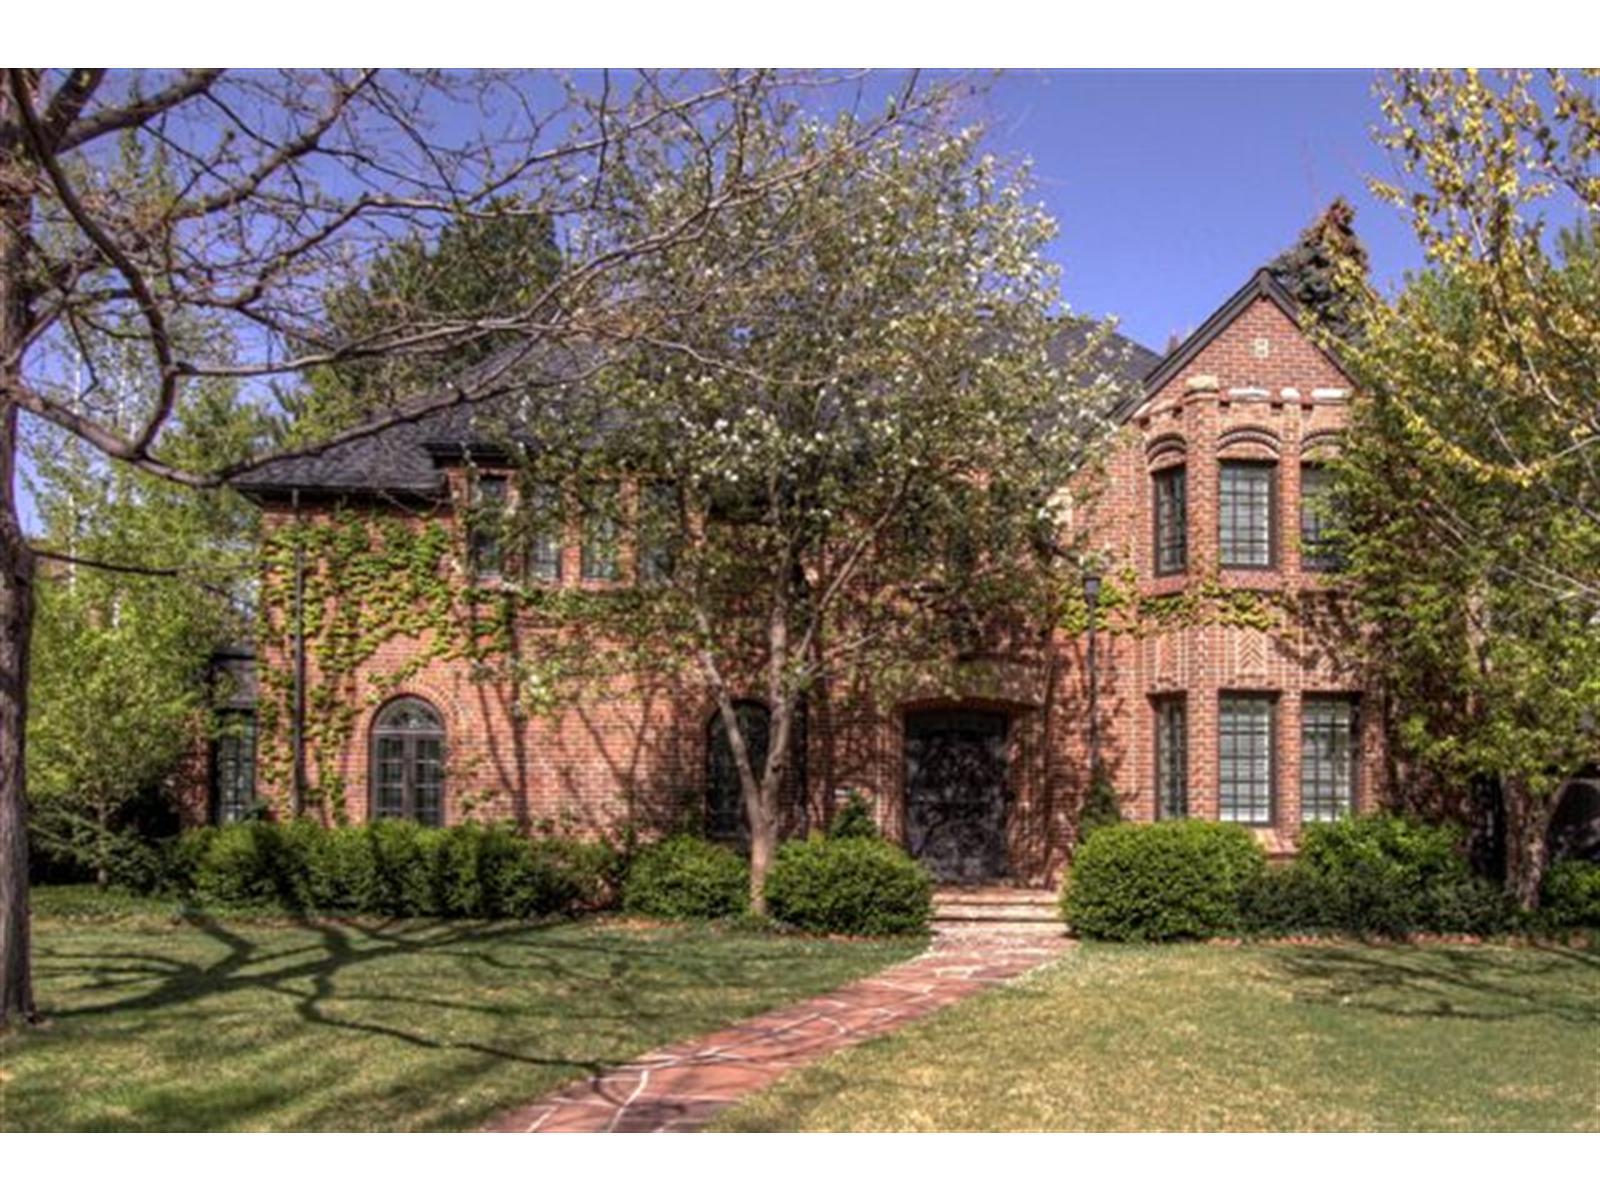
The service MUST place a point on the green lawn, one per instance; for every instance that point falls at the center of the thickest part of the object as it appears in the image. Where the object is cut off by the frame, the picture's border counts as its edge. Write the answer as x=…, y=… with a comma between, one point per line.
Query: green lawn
x=206, y=1024
x=1330, y=1037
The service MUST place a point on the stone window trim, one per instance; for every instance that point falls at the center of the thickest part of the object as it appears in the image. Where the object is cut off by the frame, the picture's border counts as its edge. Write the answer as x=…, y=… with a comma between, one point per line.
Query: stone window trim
x=1265, y=783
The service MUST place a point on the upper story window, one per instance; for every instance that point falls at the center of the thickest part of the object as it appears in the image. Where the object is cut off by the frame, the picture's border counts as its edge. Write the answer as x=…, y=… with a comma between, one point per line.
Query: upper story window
x=1172, y=758
x=487, y=525
x=1246, y=516
x=1171, y=521
x=1245, y=757
x=1318, y=519
x=658, y=531
x=600, y=560
x=547, y=525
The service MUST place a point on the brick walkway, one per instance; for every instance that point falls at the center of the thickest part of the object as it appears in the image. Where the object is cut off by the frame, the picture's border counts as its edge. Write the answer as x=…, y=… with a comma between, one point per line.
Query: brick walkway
x=680, y=1088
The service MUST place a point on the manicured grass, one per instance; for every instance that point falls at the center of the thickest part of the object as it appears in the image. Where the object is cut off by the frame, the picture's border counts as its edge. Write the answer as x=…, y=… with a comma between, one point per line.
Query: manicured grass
x=160, y=1023
x=1326, y=1037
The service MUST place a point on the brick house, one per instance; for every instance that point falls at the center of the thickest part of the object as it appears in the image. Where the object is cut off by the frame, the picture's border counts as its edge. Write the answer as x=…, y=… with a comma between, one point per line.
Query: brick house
x=1244, y=710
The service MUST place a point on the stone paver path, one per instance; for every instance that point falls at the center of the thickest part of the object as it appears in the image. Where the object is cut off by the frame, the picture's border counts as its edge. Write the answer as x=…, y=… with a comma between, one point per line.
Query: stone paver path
x=679, y=1088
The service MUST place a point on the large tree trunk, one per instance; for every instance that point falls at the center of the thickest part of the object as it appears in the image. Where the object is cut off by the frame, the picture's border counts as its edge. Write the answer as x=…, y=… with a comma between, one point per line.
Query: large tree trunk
x=16, y=612
x=1527, y=824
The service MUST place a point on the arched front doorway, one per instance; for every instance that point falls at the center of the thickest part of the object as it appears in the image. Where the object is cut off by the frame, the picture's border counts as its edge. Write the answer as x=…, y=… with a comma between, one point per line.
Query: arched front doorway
x=956, y=793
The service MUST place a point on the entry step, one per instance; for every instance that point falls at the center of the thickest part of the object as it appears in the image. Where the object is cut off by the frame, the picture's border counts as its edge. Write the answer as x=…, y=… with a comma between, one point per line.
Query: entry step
x=996, y=905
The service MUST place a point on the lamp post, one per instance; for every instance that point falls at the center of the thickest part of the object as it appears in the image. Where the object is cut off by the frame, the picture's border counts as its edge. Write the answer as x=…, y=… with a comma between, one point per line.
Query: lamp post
x=1091, y=596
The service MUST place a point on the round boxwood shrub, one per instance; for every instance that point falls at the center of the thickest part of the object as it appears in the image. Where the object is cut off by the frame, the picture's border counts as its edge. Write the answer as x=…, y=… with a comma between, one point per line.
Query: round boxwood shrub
x=1392, y=875
x=687, y=878
x=1572, y=894
x=853, y=885
x=1160, y=882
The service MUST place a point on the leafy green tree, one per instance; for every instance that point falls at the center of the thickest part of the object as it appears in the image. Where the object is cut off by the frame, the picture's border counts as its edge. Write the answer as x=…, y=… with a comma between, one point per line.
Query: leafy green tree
x=476, y=266
x=1471, y=475
x=145, y=582
x=846, y=461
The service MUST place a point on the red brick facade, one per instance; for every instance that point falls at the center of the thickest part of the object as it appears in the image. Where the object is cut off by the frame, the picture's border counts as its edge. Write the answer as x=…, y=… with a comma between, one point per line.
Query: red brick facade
x=1248, y=387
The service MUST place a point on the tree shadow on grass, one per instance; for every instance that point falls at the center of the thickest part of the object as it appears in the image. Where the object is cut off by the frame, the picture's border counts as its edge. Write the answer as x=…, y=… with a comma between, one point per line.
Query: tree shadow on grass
x=629, y=984
x=1478, y=983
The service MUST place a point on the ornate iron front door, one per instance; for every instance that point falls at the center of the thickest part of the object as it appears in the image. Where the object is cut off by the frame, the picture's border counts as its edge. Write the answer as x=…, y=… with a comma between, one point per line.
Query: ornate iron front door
x=956, y=794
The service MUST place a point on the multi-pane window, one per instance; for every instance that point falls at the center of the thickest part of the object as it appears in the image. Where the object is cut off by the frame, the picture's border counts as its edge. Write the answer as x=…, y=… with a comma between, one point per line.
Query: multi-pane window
x=1172, y=758
x=658, y=531
x=487, y=520
x=600, y=560
x=408, y=762
x=545, y=516
x=1327, y=757
x=725, y=812
x=1244, y=513
x=1317, y=519
x=1172, y=537
x=233, y=774
x=1244, y=758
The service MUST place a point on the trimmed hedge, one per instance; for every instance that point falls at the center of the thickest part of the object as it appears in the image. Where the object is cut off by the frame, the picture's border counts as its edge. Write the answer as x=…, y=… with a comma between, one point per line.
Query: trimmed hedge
x=1161, y=881
x=849, y=883
x=1572, y=894
x=393, y=868
x=685, y=878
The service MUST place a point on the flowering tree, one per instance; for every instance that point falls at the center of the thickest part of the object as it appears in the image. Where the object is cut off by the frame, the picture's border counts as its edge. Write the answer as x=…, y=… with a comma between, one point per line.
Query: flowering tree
x=198, y=221
x=844, y=461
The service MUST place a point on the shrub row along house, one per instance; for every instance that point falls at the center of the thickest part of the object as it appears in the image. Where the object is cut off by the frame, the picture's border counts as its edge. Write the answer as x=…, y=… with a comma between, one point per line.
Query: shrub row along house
x=1209, y=679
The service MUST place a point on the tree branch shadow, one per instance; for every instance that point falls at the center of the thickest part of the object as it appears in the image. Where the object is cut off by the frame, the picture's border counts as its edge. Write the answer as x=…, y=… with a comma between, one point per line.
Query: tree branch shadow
x=1455, y=983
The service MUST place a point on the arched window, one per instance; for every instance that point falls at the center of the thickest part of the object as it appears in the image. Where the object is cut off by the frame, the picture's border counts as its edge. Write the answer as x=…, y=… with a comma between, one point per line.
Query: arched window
x=408, y=762
x=725, y=813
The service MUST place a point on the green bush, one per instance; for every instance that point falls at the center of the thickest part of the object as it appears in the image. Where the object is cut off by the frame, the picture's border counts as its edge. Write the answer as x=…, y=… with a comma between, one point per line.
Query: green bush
x=1101, y=806
x=394, y=868
x=1285, y=900
x=851, y=884
x=1159, y=882
x=254, y=863
x=687, y=878
x=1391, y=876
x=1377, y=875
x=853, y=820
x=1572, y=894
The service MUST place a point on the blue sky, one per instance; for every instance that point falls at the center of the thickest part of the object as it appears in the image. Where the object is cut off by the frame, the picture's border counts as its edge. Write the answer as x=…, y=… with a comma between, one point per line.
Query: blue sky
x=1171, y=187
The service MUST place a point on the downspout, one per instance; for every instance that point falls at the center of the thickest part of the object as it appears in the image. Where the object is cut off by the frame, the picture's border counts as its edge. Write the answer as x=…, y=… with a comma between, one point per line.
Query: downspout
x=298, y=717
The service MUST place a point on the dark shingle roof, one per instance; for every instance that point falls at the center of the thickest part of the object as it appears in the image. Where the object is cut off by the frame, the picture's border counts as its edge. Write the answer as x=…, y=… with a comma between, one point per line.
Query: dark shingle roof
x=403, y=458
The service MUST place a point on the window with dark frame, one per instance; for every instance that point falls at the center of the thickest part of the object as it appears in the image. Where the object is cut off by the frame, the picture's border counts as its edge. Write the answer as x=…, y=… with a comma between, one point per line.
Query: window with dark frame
x=1171, y=524
x=546, y=527
x=1245, y=755
x=726, y=818
x=233, y=773
x=1245, y=517
x=408, y=762
x=1317, y=519
x=487, y=523
x=1172, y=758
x=600, y=559
x=1328, y=747
x=658, y=531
